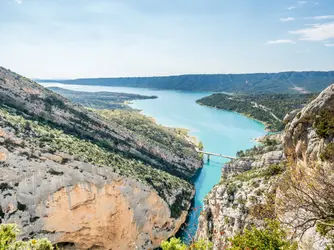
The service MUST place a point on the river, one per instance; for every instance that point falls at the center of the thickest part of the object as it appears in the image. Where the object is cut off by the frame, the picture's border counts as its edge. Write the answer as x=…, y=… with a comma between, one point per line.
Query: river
x=220, y=131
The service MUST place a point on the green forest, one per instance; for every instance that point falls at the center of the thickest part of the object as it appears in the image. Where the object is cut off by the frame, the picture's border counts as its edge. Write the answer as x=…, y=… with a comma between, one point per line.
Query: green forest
x=267, y=108
x=259, y=83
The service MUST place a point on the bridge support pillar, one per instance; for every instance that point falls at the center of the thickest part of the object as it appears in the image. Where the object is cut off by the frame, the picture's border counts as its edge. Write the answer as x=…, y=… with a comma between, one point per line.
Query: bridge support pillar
x=208, y=158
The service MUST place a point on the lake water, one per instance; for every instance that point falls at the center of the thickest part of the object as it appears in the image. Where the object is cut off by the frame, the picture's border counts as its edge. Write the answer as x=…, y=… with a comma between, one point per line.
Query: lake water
x=220, y=131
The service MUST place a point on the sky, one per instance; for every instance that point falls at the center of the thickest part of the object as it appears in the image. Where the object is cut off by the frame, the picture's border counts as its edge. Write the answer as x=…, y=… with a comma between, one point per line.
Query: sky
x=63, y=39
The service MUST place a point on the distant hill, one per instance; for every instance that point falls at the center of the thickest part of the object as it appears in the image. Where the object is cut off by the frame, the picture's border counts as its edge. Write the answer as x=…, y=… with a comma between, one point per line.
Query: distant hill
x=268, y=108
x=100, y=100
x=257, y=83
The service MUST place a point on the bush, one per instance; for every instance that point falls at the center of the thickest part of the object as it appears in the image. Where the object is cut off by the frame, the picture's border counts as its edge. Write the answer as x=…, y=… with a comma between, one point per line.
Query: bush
x=328, y=153
x=274, y=169
x=177, y=244
x=231, y=189
x=8, y=240
x=325, y=229
x=324, y=124
x=272, y=237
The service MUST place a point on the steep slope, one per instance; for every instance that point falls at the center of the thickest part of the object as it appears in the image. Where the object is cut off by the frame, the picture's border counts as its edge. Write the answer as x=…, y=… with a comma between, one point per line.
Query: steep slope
x=290, y=178
x=30, y=99
x=84, y=181
x=283, y=82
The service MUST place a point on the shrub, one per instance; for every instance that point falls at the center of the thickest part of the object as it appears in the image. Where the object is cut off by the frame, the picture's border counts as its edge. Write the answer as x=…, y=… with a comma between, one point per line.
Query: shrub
x=324, y=124
x=8, y=240
x=328, y=153
x=271, y=237
x=274, y=169
x=240, y=153
x=325, y=229
x=177, y=244
x=231, y=189
x=173, y=244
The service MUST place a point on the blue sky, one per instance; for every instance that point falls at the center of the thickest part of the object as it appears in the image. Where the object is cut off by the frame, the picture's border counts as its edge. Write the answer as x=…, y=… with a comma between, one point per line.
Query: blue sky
x=99, y=38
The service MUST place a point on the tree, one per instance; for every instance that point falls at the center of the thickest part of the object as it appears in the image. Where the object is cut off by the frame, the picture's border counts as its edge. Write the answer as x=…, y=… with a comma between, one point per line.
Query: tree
x=177, y=244
x=271, y=237
x=200, y=145
x=173, y=244
x=8, y=240
x=307, y=196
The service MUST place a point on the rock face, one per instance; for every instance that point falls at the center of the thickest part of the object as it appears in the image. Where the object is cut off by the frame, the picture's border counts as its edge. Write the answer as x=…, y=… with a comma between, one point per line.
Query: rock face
x=81, y=181
x=32, y=100
x=301, y=142
x=278, y=181
x=240, y=198
x=76, y=203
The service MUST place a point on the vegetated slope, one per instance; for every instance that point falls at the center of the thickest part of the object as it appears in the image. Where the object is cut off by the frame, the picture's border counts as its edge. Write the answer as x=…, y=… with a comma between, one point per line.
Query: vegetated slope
x=80, y=179
x=100, y=100
x=268, y=108
x=159, y=136
x=30, y=99
x=283, y=82
x=288, y=178
x=75, y=192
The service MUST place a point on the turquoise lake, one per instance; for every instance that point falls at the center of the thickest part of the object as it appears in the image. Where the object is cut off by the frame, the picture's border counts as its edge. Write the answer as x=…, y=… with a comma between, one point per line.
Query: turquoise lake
x=220, y=131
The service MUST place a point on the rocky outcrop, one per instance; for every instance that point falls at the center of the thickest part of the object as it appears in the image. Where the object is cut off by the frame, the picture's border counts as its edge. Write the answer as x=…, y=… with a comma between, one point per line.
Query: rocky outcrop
x=241, y=198
x=308, y=143
x=86, y=182
x=32, y=100
x=253, y=187
x=77, y=204
x=301, y=141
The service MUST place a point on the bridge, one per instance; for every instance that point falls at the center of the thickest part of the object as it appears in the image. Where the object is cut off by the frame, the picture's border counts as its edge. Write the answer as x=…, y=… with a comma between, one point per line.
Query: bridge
x=214, y=154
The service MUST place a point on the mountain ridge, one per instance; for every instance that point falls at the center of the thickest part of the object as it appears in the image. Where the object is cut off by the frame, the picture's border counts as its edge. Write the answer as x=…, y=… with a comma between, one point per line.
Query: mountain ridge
x=282, y=82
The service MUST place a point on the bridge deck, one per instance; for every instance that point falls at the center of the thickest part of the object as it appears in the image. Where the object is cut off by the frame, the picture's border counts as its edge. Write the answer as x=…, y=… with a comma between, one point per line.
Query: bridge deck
x=219, y=155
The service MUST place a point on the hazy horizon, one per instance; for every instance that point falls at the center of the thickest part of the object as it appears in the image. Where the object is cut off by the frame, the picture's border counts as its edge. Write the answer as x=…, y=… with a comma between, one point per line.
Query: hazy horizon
x=149, y=76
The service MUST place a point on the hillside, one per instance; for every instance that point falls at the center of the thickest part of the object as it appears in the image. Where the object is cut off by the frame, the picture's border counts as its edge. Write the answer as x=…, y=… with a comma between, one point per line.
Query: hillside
x=268, y=108
x=100, y=100
x=289, y=178
x=284, y=82
x=88, y=181
x=31, y=100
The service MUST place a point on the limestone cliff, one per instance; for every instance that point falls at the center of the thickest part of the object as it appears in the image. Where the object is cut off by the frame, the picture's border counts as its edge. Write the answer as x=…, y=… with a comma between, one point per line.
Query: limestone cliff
x=243, y=196
x=37, y=103
x=83, y=181
x=289, y=177
x=73, y=202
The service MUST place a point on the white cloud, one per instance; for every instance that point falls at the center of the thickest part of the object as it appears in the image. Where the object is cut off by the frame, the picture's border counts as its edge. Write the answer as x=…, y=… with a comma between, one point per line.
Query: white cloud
x=329, y=44
x=321, y=17
x=317, y=32
x=291, y=7
x=281, y=41
x=287, y=19
x=18, y=1
x=302, y=2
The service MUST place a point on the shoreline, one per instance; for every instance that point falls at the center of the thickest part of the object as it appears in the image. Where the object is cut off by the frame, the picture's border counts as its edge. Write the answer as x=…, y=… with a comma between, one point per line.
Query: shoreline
x=266, y=125
x=184, y=132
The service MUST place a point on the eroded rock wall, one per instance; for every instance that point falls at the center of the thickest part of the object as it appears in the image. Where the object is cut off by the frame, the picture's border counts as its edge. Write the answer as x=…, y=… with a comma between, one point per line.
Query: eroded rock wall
x=252, y=190
x=77, y=204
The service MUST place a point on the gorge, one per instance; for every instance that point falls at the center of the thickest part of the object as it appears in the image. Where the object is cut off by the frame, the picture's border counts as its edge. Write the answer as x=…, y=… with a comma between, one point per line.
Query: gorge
x=104, y=179
x=220, y=131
